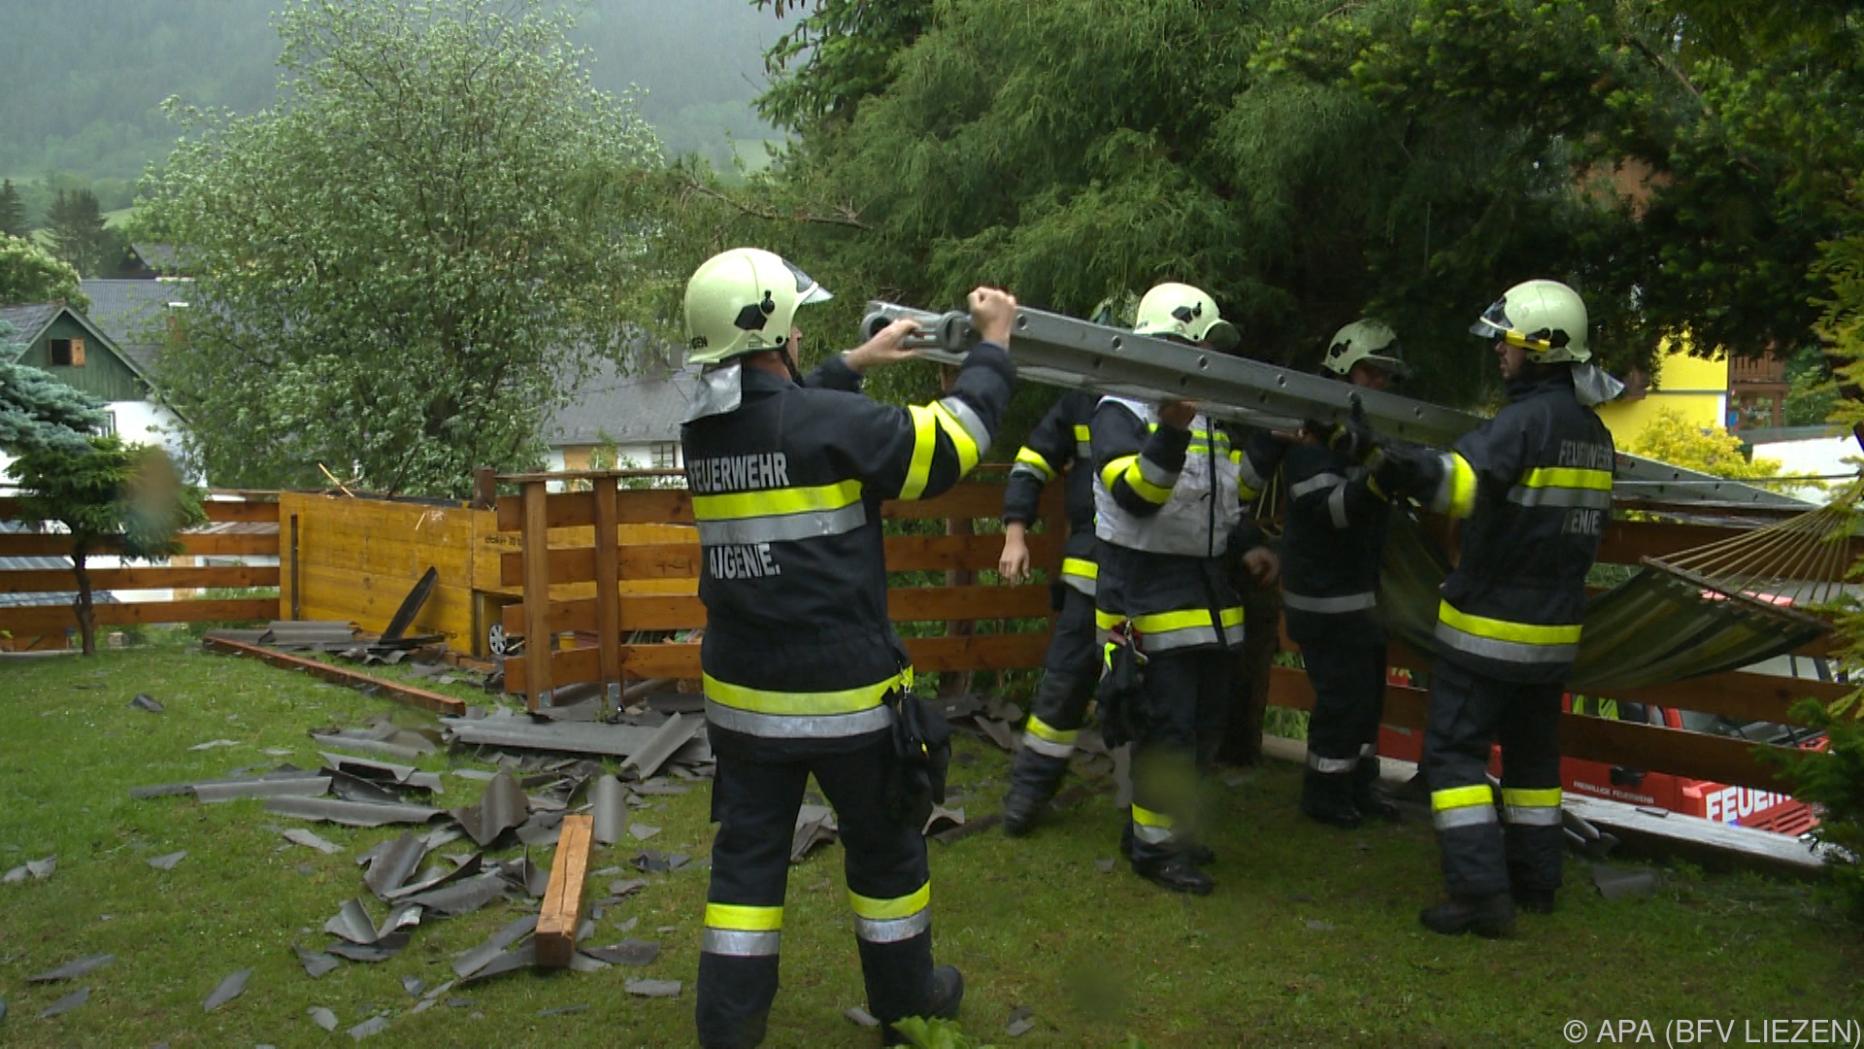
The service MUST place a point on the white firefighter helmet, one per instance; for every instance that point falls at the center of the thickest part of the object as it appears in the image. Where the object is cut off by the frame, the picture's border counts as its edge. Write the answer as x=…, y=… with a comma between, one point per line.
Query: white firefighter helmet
x=744, y=300
x=1184, y=312
x=1543, y=317
x=1365, y=341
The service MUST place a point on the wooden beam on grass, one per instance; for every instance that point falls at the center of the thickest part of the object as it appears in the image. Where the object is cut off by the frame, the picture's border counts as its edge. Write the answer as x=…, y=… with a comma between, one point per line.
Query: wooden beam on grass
x=400, y=693
x=562, y=907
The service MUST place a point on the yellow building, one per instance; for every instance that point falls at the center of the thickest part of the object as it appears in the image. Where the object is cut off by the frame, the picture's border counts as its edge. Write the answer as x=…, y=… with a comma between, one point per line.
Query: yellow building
x=1693, y=386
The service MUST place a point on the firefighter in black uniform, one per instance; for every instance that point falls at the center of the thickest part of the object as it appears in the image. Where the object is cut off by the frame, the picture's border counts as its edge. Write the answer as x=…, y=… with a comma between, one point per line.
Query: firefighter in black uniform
x=1168, y=505
x=1058, y=444
x=1335, y=532
x=803, y=673
x=1535, y=483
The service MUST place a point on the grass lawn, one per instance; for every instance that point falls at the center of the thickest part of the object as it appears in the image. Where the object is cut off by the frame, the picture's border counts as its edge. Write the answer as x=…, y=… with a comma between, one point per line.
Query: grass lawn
x=1310, y=939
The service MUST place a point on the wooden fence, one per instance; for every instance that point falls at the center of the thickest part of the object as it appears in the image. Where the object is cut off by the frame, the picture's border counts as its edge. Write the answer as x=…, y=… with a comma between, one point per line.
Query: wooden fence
x=238, y=524
x=593, y=636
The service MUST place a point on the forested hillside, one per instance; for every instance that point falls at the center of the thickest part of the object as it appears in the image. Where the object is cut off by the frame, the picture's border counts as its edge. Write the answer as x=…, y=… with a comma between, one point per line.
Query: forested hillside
x=84, y=79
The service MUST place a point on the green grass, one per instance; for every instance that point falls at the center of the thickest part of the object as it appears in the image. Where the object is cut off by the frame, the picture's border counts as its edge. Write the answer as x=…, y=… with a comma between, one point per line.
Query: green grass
x=1310, y=939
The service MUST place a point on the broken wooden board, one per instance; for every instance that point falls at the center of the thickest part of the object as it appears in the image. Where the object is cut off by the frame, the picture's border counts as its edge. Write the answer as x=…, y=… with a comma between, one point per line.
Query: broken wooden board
x=396, y=691
x=562, y=909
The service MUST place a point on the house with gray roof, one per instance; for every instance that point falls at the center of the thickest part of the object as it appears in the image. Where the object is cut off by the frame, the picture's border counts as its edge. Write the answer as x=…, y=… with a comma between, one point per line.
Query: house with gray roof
x=618, y=420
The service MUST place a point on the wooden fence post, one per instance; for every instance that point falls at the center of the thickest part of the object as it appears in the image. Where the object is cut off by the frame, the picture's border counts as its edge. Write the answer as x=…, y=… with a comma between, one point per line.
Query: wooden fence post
x=537, y=637
x=607, y=589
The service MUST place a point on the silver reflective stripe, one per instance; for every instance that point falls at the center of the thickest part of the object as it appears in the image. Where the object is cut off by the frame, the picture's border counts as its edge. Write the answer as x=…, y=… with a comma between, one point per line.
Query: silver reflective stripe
x=1591, y=498
x=1336, y=505
x=741, y=943
x=1505, y=651
x=1466, y=816
x=1440, y=500
x=1330, y=605
x=1084, y=451
x=1534, y=815
x=1047, y=747
x=1183, y=637
x=1157, y=474
x=1026, y=468
x=782, y=528
x=1331, y=765
x=893, y=930
x=1368, y=750
x=1314, y=484
x=799, y=726
x=1151, y=835
x=973, y=422
x=1085, y=584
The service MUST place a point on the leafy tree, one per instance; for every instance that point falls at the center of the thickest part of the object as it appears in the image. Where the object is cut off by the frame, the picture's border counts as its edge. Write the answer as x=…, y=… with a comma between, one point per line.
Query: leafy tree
x=75, y=226
x=28, y=274
x=1811, y=392
x=39, y=413
x=1673, y=439
x=403, y=265
x=12, y=211
x=114, y=498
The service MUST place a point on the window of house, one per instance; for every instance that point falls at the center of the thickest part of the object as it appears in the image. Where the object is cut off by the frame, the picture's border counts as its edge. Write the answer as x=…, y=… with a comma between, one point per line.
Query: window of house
x=66, y=353
x=110, y=424
x=666, y=455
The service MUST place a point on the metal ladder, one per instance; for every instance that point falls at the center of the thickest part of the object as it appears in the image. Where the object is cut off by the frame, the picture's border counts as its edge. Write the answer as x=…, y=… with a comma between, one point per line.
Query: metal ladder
x=1064, y=351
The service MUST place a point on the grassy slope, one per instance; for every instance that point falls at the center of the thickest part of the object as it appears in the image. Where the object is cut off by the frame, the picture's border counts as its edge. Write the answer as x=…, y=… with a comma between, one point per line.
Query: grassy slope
x=1311, y=938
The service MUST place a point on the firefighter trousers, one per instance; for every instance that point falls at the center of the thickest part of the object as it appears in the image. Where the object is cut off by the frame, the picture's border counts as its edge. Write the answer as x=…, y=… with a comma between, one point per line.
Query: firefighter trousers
x=1484, y=852
x=1059, y=707
x=755, y=805
x=1187, y=698
x=1242, y=735
x=1347, y=670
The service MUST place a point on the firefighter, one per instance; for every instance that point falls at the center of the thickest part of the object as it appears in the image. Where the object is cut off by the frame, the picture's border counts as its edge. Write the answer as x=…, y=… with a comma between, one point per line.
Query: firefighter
x=1535, y=484
x=803, y=674
x=1058, y=444
x=1335, y=532
x=1168, y=505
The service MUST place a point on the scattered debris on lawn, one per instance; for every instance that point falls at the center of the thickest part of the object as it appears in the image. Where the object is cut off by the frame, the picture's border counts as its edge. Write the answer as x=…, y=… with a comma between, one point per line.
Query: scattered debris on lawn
x=559, y=920
x=861, y=1017
x=167, y=862
x=323, y=1017
x=1022, y=1021
x=316, y=963
x=815, y=825
x=145, y=701
x=372, y=1026
x=71, y=970
x=38, y=870
x=300, y=836
x=230, y=988
x=653, y=988
x=1620, y=883
x=66, y=1004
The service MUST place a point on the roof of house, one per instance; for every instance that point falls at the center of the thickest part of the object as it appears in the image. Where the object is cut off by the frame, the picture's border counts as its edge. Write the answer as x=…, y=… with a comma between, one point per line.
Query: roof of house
x=131, y=312
x=159, y=257
x=611, y=407
x=28, y=321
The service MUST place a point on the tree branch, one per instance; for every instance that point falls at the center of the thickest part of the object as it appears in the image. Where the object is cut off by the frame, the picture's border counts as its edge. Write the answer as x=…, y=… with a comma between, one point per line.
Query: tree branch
x=845, y=214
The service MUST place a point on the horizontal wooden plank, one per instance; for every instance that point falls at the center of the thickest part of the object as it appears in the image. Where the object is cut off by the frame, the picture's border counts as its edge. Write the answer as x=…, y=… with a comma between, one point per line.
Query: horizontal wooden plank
x=674, y=506
x=401, y=693
x=245, y=511
x=57, y=618
x=59, y=545
x=159, y=577
x=370, y=600
x=1626, y=541
x=683, y=612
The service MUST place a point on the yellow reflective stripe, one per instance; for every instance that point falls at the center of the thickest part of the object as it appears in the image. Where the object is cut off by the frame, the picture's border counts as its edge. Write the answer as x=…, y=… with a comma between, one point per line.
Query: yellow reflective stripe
x=743, y=917
x=765, y=701
x=1136, y=480
x=1507, y=630
x=1035, y=726
x=1461, y=797
x=1568, y=477
x=1147, y=818
x=776, y=501
x=1107, y=620
x=899, y=907
x=968, y=451
x=1030, y=457
x=1462, y=482
x=1080, y=567
x=1160, y=622
x=1532, y=797
x=1081, y=435
x=925, y=442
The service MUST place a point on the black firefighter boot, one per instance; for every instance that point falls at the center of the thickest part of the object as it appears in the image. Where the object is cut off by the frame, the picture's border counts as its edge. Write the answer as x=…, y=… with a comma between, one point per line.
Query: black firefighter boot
x=1489, y=916
x=1327, y=797
x=1368, y=797
x=1033, y=781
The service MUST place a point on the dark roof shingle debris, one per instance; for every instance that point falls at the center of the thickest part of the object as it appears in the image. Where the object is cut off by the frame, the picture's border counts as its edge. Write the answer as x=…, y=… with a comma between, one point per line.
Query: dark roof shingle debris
x=167, y=862
x=350, y=813
x=323, y=1017
x=73, y=969
x=653, y=988
x=145, y=701
x=38, y=870
x=316, y=963
x=230, y=988
x=66, y=1004
x=300, y=836
x=502, y=807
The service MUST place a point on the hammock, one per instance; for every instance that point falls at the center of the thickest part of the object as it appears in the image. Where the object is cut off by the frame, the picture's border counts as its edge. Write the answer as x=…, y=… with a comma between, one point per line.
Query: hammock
x=1713, y=608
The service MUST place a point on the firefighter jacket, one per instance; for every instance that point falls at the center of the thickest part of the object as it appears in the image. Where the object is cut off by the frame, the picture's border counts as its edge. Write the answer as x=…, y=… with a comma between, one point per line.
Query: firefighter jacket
x=1168, y=504
x=799, y=655
x=1331, y=544
x=1060, y=443
x=1535, y=483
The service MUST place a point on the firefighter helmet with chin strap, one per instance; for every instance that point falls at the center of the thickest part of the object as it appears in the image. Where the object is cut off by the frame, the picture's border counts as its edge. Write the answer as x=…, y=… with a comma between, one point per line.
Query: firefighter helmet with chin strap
x=742, y=301
x=1365, y=341
x=1184, y=312
x=1543, y=317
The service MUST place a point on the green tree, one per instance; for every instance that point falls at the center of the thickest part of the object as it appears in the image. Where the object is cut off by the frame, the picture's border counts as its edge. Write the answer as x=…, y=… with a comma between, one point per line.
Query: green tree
x=12, y=211
x=28, y=274
x=39, y=413
x=408, y=260
x=75, y=227
x=1673, y=439
x=1811, y=392
x=114, y=498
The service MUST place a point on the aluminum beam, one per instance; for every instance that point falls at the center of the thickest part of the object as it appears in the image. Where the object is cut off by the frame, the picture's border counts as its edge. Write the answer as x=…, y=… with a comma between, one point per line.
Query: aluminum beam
x=1064, y=351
